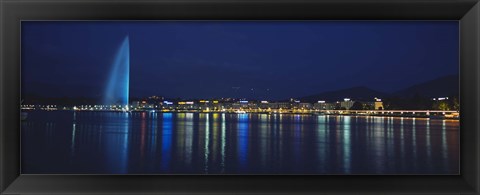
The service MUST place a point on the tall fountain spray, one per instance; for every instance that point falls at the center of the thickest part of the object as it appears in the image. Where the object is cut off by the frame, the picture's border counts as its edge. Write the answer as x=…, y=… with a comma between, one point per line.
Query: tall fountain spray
x=117, y=89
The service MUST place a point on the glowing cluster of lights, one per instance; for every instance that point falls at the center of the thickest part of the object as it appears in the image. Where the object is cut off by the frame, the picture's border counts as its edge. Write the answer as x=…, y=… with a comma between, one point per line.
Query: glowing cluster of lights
x=441, y=98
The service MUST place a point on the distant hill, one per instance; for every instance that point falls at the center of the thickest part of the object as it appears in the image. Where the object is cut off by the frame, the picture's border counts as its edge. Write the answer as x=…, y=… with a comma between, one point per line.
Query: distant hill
x=443, y=86
x=356, y=93
x=440, y=87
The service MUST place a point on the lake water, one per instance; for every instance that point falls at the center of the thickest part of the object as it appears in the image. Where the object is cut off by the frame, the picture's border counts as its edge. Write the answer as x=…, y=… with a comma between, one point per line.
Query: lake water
x=70, y=142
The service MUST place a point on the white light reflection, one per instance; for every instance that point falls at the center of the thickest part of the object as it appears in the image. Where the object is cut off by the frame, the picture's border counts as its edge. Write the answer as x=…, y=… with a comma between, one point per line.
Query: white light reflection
x=429, y=147
x=264, y=127
x=390, y=141
x=72, y=146
x=444, y=144
x=379, y=143
x=222, y=164
x=207, y=141
x=414, y=142
x=153, y=134
x=346, y=145
x=215, y=134
x=402, y=142
x=188, y=138
x=322, y=141
x=297, y=140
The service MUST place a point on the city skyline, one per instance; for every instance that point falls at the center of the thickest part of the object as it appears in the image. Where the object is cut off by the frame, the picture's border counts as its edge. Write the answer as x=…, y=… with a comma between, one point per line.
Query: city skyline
x=236, y=59
x=240, y=97
x=446, y=86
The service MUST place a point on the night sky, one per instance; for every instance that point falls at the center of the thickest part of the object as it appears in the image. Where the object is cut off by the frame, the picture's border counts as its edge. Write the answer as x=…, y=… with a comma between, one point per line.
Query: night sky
x=206, y=59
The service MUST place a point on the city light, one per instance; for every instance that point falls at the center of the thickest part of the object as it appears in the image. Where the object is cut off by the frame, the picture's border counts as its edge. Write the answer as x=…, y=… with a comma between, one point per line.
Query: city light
x=229, y=105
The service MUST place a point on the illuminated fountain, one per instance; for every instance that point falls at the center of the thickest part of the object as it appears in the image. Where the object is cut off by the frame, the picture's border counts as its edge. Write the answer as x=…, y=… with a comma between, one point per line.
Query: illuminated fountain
x=117, y=89
x=117, y=92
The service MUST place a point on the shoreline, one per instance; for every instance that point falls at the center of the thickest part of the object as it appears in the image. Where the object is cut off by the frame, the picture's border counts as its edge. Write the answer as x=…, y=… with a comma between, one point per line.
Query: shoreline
x=270, y=113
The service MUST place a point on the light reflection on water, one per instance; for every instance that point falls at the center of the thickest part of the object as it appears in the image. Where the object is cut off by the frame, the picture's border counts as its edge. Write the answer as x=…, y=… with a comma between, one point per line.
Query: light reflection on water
x=219, y=143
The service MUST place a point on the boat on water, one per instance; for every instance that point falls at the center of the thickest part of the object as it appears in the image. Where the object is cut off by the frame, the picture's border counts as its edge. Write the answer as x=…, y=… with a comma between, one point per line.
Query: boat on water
x=24, y=116
x=240, y=112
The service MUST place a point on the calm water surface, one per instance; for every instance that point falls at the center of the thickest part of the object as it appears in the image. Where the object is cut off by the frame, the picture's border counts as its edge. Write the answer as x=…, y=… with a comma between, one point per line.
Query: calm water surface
x=197, y=143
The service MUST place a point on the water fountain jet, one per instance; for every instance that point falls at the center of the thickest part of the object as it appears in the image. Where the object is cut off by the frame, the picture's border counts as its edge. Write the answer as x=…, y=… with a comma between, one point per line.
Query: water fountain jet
x=117, y=88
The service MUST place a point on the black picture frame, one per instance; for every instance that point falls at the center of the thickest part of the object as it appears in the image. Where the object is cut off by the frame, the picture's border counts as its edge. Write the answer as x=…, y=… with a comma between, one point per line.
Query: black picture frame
x=14, y=11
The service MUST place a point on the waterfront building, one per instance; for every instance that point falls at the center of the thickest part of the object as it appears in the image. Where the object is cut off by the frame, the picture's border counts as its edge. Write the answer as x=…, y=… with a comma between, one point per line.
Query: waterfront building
x=228, y=105
x=237, y=106
x=187, y=105
x=284, y=105
x=264, y=105
x=347, y=103
x=244, y=104
x=216, y=106
x=135, y=104
x=369, y=105
x=204, y=105
x=252, y=105
x=378, y=104
x=322, y=105
x=305, y=106
x=273, y=105
x=167, y=105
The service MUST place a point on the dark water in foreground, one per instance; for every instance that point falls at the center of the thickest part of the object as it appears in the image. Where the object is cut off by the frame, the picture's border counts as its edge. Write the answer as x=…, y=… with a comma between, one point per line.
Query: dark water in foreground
x=197, y=143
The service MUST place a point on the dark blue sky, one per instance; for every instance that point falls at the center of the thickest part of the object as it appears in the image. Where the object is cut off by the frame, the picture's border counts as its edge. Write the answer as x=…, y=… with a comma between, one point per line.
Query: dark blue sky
x=202, y=59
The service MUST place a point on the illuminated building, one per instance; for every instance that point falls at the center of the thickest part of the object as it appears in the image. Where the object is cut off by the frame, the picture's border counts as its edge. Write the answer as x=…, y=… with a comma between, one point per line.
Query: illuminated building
x=273, y=105
x=168, y=105
x=305, y=105
x=284, y=105
x=440, y=99
x=264, y=105
x=187, y=105
x=322, y=105
x=378, y=105
x=135, y=104
x=347, y=103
